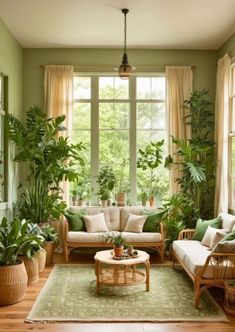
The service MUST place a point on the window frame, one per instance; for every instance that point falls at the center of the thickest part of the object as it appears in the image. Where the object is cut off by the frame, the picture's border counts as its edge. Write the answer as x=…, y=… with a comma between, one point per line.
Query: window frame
x=95, y=130
x=231, y=135
x=4, y=144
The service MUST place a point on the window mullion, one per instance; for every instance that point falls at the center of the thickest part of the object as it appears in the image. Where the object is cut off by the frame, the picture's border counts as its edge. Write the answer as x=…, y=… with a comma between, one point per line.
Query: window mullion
x=94, y=136
x=132, y=142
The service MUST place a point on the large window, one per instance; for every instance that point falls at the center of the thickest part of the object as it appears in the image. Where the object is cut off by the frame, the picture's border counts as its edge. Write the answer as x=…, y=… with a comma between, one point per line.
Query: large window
x=232, y=142
x=115, y=118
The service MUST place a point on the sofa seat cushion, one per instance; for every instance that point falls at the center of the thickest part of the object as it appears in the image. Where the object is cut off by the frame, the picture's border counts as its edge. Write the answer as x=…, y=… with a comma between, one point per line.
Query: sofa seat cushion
x=194, y=255
x=83, y=237
x=130, y=237
x=141, y=237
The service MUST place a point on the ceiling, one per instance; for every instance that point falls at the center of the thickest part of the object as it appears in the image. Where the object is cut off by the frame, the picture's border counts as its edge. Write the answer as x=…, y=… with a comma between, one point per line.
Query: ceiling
x=175, y=24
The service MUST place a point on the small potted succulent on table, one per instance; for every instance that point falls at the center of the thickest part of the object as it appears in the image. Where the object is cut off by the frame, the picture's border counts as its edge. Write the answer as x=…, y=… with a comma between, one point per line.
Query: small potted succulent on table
x=118, y=241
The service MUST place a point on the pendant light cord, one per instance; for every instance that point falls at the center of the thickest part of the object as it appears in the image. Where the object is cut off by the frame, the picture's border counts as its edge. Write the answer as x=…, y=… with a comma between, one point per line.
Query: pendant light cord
x=125, y=32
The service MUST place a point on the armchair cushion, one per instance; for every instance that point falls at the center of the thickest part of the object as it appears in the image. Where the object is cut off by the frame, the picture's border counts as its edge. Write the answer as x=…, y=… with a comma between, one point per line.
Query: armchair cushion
x=202, y=225
x=225, y=247
x=213, y=236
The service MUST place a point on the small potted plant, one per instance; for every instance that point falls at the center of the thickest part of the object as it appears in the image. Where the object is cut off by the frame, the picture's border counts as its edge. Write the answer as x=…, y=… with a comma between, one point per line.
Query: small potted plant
x=50, y=237
x=106, y=181
x=121, y=183
x=150, y=157
x=118, y=241
x=144, y=198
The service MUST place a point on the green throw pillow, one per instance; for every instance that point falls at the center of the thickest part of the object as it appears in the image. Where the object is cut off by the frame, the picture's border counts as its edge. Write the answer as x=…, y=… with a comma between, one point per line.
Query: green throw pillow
x=229, y=237
x=152, y=222
x=202, y=225
x=76, y=222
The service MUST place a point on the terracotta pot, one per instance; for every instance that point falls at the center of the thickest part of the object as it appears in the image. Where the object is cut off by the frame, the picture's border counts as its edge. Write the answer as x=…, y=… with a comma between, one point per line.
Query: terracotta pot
x=151, y=201
x=49, y=248
x=80, y=202
x=41, y=256
x=104, y=202
x=121, y=199
x=118, y=251
x=13, y=283
x=31, y=265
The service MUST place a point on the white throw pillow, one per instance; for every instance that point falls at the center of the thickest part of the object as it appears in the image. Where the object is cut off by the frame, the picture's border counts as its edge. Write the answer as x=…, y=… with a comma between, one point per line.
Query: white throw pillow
x=213, y=236
x=135, y=223
x=95, y=223
x=219, y=235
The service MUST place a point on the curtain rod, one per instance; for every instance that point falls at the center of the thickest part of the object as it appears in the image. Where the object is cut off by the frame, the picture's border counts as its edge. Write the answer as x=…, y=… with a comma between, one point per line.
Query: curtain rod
x=113, y=66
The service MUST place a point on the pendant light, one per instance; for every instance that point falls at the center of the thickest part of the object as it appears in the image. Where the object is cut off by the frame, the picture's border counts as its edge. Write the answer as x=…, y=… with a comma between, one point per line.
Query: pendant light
x=125, y=70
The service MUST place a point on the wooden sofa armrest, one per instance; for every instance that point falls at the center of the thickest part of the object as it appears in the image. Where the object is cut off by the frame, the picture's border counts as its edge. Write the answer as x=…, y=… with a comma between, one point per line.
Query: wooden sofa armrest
x=223, y=265
x=186, y=234
x=162, y=231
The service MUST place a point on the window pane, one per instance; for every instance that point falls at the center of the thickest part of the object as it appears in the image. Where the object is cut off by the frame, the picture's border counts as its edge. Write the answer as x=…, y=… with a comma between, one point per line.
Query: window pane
x=232, y=116
x=84, y=136
x=233, y=81
x=114, y=145
x=114, y=115
x=113, y=88
x=81, y=116
x=150, y=88
x=82, y=87
x=151, y=116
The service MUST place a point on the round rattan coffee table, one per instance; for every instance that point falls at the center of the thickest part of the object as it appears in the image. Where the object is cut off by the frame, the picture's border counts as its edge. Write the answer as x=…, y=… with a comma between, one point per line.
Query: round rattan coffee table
x=125, y=272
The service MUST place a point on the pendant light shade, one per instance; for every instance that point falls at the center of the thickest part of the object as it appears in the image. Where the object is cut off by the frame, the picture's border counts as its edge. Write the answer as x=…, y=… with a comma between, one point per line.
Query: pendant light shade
x=125, y=70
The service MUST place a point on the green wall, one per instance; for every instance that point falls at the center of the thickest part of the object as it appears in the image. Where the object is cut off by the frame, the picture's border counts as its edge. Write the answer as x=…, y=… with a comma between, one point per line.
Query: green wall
x=11, y=64
x=204, y=73
x=227, y=47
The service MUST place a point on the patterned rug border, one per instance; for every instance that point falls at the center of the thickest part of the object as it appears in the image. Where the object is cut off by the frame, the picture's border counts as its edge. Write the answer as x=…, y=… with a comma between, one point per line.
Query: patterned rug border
x=220, y=318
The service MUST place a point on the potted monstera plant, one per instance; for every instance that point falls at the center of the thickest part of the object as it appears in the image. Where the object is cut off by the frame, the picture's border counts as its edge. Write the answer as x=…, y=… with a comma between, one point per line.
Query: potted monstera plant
x=14, y=241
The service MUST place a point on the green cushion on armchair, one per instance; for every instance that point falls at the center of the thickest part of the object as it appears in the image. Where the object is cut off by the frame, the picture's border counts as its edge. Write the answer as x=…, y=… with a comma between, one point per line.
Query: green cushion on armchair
x=202, y=225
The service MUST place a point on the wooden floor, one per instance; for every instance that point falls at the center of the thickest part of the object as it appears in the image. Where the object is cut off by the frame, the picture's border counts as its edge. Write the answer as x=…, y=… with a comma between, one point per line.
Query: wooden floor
x=12, y=317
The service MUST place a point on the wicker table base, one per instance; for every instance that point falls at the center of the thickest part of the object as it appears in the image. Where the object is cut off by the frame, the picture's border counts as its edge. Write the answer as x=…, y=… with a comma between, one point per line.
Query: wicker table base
x=111, y=272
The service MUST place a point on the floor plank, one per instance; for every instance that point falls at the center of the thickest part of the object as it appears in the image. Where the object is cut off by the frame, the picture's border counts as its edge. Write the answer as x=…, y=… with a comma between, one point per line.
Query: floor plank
x=12, y=317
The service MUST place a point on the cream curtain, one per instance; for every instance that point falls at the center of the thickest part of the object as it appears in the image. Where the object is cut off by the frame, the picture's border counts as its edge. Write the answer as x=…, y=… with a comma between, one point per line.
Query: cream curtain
x=221, y=134
x=58, y=98
x=179, y=81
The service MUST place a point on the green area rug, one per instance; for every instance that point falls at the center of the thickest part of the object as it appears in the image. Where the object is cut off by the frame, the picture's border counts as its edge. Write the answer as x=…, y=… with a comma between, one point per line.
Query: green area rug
x=70, y=295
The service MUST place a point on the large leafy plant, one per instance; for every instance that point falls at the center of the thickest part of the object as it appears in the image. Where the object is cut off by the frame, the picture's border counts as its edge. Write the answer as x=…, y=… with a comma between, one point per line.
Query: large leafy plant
x=196, y=155
x=16, y=239
x=179, y=213
x=50, y=159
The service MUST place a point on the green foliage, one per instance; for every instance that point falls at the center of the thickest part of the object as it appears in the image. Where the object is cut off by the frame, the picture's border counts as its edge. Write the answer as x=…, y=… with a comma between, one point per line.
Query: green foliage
x=116, y=238
x=49, y=233
x=50, y=158
x=106, y=180
x=149, y=159
x=16, y=239
x=179, y=213
x=196, y=156
x=122, y=182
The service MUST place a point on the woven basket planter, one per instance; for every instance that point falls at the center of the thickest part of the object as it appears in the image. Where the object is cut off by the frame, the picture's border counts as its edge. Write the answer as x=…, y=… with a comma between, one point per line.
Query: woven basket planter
x=49, y=248
x=41, y=257
x=13, y=283
x=31, y=266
